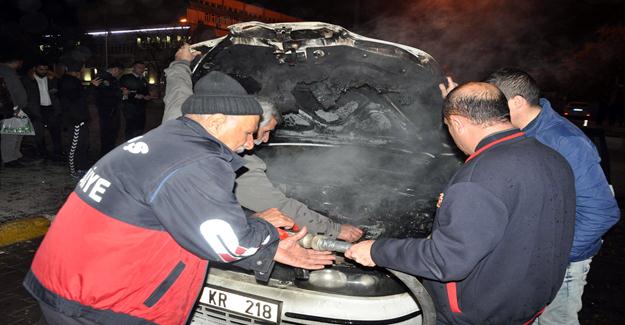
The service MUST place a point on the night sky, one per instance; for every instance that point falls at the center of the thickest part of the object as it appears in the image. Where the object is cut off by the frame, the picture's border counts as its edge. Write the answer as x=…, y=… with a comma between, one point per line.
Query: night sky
x=574, y=47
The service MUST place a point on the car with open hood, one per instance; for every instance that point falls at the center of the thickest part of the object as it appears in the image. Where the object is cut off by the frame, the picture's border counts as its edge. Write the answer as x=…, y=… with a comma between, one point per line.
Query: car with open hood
x=362, y=141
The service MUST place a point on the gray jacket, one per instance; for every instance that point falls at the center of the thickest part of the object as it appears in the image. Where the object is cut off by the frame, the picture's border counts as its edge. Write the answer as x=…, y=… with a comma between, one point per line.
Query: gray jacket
x=14, y=85
x=179, y=88
x=253, y=189
x=256, y=192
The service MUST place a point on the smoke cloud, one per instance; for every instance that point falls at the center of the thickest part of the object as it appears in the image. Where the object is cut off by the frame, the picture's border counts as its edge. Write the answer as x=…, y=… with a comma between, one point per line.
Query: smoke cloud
x=470, y=39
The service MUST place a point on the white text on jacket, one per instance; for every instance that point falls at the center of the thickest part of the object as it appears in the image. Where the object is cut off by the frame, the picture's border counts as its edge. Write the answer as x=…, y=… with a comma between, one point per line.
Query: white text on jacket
x=97, y=184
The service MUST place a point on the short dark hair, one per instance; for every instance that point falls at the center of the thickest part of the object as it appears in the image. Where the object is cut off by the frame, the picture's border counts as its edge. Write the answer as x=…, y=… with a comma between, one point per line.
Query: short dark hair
x=117, y=65
x=137, y=62
x=481, y=103
x=515, y=82
x=40, y=61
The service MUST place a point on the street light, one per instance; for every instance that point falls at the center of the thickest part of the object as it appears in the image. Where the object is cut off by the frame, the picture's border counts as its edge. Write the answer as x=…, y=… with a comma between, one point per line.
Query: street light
x=183, y=20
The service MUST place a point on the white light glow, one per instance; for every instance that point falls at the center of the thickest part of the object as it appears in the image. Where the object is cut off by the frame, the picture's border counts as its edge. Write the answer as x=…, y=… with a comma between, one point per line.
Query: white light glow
x=142, y=30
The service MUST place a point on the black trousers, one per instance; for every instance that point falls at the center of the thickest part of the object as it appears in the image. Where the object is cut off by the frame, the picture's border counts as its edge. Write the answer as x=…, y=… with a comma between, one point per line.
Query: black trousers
x=135, y=120
x=109, y=128
x=78, y=154
x=50, y=121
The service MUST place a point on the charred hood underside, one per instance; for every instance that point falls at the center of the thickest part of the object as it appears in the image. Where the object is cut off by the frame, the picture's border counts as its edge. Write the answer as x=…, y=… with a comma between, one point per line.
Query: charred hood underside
x=362, y=138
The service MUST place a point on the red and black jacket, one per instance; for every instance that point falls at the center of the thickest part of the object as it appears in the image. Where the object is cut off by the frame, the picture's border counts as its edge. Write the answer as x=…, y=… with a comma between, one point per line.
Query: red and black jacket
x=501, y=237
x=131, y=244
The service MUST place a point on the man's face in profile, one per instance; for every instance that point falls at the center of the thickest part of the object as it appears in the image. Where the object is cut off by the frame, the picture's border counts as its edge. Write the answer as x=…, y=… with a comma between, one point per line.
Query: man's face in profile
x=237, y=132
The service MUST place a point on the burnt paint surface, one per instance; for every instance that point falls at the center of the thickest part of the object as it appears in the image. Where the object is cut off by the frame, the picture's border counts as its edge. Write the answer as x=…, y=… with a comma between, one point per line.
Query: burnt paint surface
x=389, y=156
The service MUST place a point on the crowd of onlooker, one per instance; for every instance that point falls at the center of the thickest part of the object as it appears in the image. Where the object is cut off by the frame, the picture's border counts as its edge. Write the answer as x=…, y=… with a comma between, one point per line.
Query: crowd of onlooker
x=54, y=99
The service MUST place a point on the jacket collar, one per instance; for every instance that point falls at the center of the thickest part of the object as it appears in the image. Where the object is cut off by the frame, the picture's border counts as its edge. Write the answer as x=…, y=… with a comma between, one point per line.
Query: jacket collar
x=494, y=139
x=546, y=113
x=235, y=161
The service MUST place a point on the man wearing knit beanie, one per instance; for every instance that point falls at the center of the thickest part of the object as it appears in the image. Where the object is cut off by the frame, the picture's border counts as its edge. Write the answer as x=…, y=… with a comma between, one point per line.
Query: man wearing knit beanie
x=132, y=243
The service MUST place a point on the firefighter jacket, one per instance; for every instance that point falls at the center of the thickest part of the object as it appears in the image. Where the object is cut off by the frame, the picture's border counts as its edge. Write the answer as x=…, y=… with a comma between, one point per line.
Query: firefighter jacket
x=501, y=236
x=131, y=243
x=596, y=209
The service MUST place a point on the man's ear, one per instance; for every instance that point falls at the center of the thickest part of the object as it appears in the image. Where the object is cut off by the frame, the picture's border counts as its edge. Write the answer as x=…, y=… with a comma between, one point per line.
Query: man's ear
x=215, y=123
x=457, y=123
x=516, y=103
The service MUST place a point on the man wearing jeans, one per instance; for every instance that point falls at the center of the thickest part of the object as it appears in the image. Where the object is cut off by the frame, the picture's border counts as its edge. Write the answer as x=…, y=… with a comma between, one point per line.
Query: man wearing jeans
x=596, y=210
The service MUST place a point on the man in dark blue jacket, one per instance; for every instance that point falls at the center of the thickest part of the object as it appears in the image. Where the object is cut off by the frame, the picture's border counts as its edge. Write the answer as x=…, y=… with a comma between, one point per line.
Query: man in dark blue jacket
x=131, y=244
x=596, y=209
x=504, y=225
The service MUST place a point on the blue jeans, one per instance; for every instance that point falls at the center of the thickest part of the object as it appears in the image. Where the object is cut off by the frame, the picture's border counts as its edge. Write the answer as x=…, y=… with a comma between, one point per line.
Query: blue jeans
x=568, y=301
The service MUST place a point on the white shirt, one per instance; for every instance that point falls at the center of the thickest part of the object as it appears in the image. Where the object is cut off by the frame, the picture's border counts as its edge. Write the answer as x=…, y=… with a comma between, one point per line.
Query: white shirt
x=44, y=95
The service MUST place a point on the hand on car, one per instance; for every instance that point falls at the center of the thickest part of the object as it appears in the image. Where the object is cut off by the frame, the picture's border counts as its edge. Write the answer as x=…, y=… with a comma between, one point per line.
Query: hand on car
x=186, y=53
x=445, y=89
x=361, y=253
x=349, y=233
x=276, y=218
x=291, y=253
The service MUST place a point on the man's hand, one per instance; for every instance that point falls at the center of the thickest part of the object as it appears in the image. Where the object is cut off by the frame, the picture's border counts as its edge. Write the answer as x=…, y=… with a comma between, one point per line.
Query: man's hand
x=276, y=218
x=96, y=82
x=349, y=233
x=291, y=253
x=445, y=89
x=186, y=53
x=361, y=253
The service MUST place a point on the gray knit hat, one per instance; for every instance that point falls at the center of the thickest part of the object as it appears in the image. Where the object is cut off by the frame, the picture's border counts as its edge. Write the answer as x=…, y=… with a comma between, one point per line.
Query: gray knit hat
x=216, y=93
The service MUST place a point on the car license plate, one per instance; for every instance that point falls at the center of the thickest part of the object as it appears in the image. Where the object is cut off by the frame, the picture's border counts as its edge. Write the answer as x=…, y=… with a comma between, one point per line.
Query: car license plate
x=242, y=303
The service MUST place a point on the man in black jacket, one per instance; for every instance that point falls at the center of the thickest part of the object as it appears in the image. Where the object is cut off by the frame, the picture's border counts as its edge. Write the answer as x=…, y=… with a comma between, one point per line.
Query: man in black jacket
x=108, y=98
x=74, y=103
x=138, y=95
x=504, y=226
x=44, y=109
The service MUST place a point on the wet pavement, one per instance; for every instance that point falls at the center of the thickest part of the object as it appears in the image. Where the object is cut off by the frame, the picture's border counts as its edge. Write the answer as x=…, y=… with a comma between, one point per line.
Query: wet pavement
x=16, y=305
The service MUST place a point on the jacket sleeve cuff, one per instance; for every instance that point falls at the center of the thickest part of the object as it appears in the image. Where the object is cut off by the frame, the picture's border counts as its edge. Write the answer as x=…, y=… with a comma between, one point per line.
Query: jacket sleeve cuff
x=262, y=261
x=377, y=254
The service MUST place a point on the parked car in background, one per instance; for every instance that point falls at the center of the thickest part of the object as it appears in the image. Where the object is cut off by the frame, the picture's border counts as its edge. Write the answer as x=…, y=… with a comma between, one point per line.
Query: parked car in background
x=362, y=142
x=581, y=113
x=586, y=116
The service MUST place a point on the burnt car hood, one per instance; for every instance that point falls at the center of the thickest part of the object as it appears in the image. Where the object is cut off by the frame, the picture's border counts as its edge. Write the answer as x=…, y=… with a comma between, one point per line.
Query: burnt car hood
x=362, y=139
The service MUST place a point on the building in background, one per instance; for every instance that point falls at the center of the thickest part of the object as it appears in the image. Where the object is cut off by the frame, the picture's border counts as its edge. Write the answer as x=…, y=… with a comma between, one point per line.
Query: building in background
x=156, y=45
x=217, y=15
